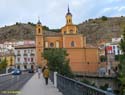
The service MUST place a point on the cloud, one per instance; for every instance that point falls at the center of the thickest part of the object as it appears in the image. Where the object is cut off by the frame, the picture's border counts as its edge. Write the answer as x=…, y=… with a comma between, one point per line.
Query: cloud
x=117, y=8
x=121, y=8
x=52, y=12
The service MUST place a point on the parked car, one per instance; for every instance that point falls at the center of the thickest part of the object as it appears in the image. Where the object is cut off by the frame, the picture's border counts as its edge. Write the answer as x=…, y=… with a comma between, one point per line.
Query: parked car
x=109, y=90
x=16, y=72
x=30, y=70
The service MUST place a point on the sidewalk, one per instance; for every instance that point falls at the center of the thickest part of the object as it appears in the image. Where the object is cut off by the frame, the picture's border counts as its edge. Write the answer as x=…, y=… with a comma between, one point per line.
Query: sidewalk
x=37, y=86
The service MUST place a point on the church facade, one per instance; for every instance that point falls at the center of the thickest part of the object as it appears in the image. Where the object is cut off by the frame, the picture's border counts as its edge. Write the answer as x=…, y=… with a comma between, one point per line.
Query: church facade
x=83, y=58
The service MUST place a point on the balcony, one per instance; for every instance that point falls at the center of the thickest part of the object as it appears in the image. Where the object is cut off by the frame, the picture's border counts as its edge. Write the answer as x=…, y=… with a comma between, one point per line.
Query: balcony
x=25, y=54
x=32, y=54
x=18, y=54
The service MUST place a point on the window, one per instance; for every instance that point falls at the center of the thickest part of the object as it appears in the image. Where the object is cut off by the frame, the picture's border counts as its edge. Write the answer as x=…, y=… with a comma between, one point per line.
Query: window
x=31, y=51
x=28, y=59
x=72, y=44
x=31, y=59
x=39, y=30
x=69, y=21
x=39, y=43
x=24, y=51
x=18, y=59
x=32, y=66
x=25, y=59
x=64, y=32
x=28, y=51
x=71, y=31
x=25, y=66
x=18, y=67
x=46, y=44
x=18, y=51
x=51, y=45
x=57, y=44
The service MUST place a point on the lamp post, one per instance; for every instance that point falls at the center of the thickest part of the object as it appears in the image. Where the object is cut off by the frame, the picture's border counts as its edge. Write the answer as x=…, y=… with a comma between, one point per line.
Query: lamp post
x=106, y=59
x=118, y=53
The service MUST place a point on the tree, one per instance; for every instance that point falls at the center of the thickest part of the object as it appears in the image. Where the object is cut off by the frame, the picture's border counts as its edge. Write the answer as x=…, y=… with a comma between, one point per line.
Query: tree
x=3, y=65
x=31, y=23
x=121, y=73
x=103, y=58
x=122, y=43
x=45, y=28
x=55, y=30
x=57, y=61
x=104, y=18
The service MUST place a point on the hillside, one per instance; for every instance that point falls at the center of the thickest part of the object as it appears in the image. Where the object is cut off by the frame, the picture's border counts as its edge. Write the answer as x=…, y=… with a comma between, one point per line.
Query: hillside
x=17, y=32
x=93, y=29
x=102, y=28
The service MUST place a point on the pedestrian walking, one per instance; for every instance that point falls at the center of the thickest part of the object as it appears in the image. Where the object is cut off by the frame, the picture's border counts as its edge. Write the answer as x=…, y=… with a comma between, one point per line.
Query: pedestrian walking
x=39, y=72
x=46, y=74
x=43, y=69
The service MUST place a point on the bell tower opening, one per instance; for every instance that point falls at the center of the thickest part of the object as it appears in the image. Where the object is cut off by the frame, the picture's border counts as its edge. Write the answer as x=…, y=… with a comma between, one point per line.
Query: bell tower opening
x=68, y=17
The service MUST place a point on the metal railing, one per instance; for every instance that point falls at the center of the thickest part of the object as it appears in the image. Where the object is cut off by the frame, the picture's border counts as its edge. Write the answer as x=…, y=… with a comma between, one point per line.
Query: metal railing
x=72, y=87
x=52, y=76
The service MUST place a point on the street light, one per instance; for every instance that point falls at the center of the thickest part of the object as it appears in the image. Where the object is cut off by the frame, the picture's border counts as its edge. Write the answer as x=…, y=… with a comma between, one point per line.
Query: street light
x=118, y=53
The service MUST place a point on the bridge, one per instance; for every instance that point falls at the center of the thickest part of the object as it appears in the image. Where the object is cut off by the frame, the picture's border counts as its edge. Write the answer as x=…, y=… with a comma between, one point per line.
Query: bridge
x=30, y=84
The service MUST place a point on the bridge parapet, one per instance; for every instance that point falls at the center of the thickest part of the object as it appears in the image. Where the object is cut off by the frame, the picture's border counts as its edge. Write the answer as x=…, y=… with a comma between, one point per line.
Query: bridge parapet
x=9, y=82
x=5, y=77
x=70, y=86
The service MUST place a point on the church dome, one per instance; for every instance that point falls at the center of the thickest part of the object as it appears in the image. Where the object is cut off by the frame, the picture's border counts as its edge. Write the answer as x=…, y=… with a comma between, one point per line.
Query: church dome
x=69, y=13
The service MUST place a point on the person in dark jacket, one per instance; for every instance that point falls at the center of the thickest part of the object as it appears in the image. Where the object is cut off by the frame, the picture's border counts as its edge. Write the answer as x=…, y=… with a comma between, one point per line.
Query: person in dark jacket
x=46, y=74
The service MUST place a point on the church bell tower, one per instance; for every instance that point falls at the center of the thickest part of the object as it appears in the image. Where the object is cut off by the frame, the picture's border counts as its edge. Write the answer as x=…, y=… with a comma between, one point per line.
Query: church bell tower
x=39, y=43
x=68, y=17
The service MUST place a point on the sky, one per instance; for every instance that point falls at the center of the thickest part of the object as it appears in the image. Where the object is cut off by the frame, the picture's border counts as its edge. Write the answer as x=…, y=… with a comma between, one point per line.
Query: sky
x=52, y=12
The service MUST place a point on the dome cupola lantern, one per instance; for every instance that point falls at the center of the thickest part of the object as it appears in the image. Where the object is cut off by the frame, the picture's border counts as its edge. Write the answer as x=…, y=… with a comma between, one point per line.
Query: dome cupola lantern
x=68, y=17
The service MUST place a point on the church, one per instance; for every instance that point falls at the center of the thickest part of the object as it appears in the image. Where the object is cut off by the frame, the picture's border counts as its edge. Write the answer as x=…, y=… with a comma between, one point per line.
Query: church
x=83, y=58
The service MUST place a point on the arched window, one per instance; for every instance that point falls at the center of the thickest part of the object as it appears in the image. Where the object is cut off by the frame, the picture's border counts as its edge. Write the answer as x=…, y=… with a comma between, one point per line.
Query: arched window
x=39, y=30
x=71, y=31
x=69, y=20
x=72, y=44
x=51, y=45
x=64, y=32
